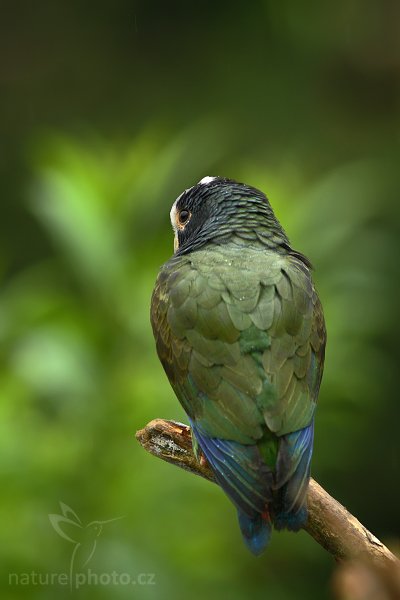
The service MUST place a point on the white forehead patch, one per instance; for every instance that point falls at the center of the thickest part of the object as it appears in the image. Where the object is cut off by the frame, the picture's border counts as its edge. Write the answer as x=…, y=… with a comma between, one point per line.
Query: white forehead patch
x=172, y=214
x=206, y=180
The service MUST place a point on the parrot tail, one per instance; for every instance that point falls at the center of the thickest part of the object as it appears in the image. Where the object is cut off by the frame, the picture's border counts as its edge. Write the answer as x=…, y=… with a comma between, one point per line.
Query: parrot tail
x=292, y=479
x=256, y=531
x=246, y=480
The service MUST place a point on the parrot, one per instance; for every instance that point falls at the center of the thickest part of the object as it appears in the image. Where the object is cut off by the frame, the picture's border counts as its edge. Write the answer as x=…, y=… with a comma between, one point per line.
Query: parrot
x=240, y=332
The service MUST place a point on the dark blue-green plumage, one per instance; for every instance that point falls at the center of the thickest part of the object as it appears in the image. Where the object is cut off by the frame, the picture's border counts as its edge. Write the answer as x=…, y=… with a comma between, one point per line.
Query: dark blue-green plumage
x=240, y=332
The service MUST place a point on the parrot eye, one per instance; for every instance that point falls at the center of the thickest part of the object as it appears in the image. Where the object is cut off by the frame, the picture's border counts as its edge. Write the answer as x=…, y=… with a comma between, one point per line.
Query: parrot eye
x=183, y=217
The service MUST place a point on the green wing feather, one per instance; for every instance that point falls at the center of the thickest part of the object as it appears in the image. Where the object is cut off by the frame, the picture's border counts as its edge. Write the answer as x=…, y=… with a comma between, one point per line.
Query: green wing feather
x=241, y=336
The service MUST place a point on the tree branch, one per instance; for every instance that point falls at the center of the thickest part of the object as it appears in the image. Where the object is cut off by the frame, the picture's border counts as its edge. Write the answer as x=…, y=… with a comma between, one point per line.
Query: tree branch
x=329, y=523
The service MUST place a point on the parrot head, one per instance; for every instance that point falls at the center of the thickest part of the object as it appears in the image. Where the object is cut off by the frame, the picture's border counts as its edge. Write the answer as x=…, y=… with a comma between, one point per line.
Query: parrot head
x=216, y=209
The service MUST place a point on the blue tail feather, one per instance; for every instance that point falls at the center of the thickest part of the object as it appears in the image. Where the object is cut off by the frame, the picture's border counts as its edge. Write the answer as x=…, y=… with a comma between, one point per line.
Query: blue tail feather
x=247, y=481
x=292, y=478
x=256, y=532
x=257, y=493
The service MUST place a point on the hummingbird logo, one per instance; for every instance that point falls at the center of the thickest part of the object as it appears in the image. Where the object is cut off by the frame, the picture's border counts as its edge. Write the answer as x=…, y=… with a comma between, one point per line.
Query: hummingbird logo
x=84, y=537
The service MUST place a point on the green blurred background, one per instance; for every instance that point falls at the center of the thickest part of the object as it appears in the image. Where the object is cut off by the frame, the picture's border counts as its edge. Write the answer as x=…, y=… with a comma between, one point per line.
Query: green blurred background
x=108, y=111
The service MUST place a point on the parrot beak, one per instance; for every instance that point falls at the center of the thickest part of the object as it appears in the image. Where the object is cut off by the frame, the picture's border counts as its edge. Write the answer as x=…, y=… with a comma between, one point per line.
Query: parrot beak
x=176, y=243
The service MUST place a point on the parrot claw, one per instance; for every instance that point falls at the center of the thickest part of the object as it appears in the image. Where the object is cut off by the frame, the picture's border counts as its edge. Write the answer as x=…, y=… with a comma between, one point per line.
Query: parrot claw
x=198, y=452
x=202, y=459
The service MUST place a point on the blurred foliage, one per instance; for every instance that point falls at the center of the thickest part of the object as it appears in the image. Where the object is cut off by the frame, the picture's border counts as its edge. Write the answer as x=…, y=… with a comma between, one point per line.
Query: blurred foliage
x=108, y=115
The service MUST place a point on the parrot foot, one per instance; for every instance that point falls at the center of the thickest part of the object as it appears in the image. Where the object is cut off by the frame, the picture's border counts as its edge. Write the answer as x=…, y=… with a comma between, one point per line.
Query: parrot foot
x=202, y=459
x=198, y=452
